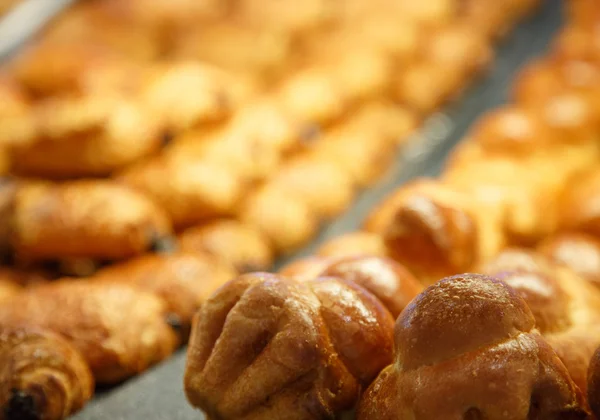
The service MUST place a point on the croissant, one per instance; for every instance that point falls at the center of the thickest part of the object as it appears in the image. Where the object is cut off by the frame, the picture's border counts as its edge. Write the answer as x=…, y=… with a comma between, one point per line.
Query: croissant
x=466, y=348
x=184, y=281
x=93, y=219
x=42, y=376
x=579, y=252
x=281, y=216
x=90, y=136
x=266, y=347
x=566, y=308
x=354, y=243
x=119, y=330
x=189, y=189
x=239, y=244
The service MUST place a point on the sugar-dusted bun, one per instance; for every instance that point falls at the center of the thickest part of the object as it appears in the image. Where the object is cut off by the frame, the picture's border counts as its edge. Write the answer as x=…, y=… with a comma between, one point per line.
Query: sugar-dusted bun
x=466, y=348
x=267, y=347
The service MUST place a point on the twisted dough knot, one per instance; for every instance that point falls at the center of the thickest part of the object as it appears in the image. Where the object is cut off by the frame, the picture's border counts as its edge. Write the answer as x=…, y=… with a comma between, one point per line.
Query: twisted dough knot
x=565, y=306
x=466, y=349
x=41, y=376
x=264, y=346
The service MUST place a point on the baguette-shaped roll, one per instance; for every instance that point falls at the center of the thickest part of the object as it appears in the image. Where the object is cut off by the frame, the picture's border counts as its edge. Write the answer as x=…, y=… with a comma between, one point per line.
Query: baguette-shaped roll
x=90, y=136
x=266, y=347
x=353, y=243
x=89, y=219
x=241, y=245
x=467, y=348
x=281, y=216
x=42, y=376
x=119, y=330
x=427, y=221
x=578, y=251
x=184, y=281
x=565, y=306
x=190, y=189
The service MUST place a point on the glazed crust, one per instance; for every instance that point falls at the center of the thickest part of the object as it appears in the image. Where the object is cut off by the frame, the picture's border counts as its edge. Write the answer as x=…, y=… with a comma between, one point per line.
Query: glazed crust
x=577, y=251
x=565, y=306
x=466, y=348
x=354, y=243
x=237, y=243
x=42, y=376
x=184, y=281
x=119, y=330
x=268, y=347
x=95, y=219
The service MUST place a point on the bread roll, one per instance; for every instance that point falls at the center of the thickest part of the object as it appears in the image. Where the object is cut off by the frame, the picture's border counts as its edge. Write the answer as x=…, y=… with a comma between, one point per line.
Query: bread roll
x=305, y=348
x=467, y=348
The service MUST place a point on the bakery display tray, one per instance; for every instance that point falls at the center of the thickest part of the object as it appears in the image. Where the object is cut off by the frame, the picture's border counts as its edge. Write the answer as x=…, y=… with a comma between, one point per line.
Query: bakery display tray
x=158, y=394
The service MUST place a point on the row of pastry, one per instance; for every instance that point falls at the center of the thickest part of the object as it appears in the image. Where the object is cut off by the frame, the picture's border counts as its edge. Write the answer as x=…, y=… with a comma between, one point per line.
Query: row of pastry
x=515, y=203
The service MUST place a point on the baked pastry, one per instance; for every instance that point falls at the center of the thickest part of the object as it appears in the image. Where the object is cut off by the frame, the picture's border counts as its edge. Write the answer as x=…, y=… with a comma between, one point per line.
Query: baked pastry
x=566, y=308
x=42, y=376
x=239, y=244
x=281, y=216
x=183, y=280
x=93, y=135
x=593, y=393
x=324, y=186
x=91, y=219
x=8, y=289
x=307, y=268
x=264, y=346
x=579, y=209
x=578, y=251
x=467, y=348
x=387, y=280
x=190, y=189
x=119, y=330
x=353, y=243
x=427, y=221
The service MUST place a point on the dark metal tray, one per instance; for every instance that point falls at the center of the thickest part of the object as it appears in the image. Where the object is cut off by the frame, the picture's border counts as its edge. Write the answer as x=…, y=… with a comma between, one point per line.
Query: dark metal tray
x=158, y=394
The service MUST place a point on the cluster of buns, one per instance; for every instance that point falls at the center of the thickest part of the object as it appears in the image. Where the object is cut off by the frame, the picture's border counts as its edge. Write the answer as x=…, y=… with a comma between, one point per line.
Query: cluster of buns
x=517, y=203
x=153, y=150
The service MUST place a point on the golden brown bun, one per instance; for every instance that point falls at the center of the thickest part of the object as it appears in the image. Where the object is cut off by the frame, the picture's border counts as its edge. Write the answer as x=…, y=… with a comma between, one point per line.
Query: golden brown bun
x=307, y=268
x=387, y=280
x=120, y=330
x=354, y=243
x=238, y=244
x=95, y=219
x=577, y=42
x=579, y=204
x=190, y=189
x=324, y=186
x=184, y=281
x=268, y=347
x=281, y=216
x=42, y=376
x=593, y=392
x=427, y=221
x=8, y=290
x=566, y=307
x=578, y=251
x=466, y=348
